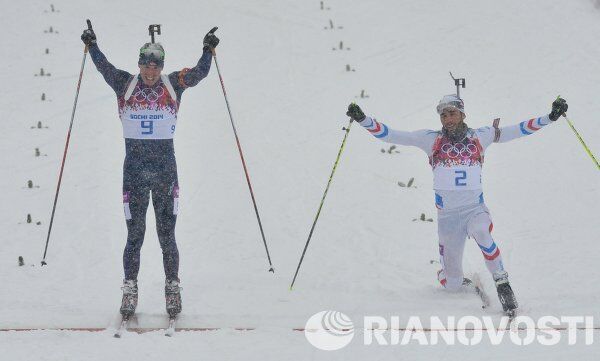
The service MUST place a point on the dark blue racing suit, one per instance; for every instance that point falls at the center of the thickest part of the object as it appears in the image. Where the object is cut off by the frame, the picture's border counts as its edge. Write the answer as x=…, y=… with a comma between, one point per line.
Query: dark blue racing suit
x=149, y=116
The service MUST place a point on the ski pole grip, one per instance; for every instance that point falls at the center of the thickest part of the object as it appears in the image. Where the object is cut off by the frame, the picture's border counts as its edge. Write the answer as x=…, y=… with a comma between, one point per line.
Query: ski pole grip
x=212, y=31
x=89, y=24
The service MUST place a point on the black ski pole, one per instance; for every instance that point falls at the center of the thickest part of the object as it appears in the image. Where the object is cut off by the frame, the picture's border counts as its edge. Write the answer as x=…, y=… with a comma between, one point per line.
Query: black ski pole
x=62, y=166
x=346, y=131
x=237, y=139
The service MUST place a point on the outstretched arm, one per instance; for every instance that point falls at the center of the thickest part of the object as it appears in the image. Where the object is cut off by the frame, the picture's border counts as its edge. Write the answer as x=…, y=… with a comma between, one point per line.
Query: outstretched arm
x=422, y=139
x=117, y=79
x=488, y=135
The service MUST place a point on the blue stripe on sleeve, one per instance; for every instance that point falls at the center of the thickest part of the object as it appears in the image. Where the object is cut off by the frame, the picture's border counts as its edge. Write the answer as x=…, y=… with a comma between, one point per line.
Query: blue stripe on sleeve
x=523, y=130
x=384, y=133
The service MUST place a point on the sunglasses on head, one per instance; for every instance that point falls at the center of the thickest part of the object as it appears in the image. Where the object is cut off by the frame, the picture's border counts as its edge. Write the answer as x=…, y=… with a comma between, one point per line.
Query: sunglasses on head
x=458, y=105
x=152, y=52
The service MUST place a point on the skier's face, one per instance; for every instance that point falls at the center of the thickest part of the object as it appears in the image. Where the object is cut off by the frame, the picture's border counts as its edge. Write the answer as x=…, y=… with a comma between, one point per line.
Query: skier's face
x=451, y=118
x=150, y=73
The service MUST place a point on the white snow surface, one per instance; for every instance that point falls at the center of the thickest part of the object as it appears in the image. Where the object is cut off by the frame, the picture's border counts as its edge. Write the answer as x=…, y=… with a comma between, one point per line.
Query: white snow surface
x=289, y=91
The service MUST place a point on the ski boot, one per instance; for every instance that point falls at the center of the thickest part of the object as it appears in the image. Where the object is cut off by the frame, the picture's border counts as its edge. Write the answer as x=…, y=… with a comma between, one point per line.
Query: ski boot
x=505, y=294
x=173, y=297
x=130, y=298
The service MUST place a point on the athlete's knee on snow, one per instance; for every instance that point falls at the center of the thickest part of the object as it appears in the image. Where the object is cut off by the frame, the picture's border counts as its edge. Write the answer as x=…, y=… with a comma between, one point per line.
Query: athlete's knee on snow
x=450, y=283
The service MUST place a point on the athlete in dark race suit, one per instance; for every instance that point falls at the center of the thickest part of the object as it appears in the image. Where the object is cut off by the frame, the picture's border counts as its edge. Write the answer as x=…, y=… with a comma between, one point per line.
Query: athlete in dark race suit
x=148, y=103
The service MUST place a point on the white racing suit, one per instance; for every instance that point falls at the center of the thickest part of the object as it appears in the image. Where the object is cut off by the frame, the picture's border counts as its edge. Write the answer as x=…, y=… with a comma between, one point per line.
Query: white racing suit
x=458, y=192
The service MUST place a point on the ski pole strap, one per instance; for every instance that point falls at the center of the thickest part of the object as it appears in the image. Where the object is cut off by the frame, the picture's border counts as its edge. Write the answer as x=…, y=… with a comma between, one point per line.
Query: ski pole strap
x=496, y=129
x=589, y=152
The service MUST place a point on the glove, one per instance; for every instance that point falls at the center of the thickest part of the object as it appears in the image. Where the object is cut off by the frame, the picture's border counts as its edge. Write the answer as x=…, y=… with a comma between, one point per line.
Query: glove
x=210, y=41
x=88, y=37
x=355, y=112
x=559, y=107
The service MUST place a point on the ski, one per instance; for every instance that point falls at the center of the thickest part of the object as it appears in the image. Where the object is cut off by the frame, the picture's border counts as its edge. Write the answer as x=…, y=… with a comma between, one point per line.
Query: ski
x=478, y=288
x=511, y=314
x=171, y=329
x=122, y=327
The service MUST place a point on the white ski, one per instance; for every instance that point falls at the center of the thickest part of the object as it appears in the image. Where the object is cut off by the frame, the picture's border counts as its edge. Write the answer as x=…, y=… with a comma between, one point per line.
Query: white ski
x=122, y=327
x=171, y=329
x=478, y=287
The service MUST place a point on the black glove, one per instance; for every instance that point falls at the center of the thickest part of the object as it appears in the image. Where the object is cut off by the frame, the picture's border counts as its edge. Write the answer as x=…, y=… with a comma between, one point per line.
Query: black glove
x=88, y=37
x=559, y=107
x=210, y=40
x=355, y=112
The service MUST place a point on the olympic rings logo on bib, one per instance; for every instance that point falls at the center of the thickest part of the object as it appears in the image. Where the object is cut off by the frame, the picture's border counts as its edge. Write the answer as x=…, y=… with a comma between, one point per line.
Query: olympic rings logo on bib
x=459, y=150
x=148, y=94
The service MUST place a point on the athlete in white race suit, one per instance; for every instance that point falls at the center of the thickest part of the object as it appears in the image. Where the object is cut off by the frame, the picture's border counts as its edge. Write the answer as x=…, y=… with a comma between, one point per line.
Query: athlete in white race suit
x=456, y=154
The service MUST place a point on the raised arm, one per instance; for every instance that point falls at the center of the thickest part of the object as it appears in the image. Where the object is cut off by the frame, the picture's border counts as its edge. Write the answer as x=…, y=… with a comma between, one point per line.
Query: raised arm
x=116, y=78
x=186, y=78
x=423, y=139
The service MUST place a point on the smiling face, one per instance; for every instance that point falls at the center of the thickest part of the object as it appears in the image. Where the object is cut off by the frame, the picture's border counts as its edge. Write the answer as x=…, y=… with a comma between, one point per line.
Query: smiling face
x=451, y=118
x=150, y=73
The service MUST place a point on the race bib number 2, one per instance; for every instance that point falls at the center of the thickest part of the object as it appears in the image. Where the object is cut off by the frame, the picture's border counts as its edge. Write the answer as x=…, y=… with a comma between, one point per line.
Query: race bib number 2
x=460, y=178
x=450, y=178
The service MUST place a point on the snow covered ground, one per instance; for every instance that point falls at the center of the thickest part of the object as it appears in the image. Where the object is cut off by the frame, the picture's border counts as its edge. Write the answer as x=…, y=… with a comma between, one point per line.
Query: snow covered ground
x=288, y=89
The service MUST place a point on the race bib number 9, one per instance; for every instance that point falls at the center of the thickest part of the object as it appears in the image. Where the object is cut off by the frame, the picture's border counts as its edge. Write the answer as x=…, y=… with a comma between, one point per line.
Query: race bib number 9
x=148, y=125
